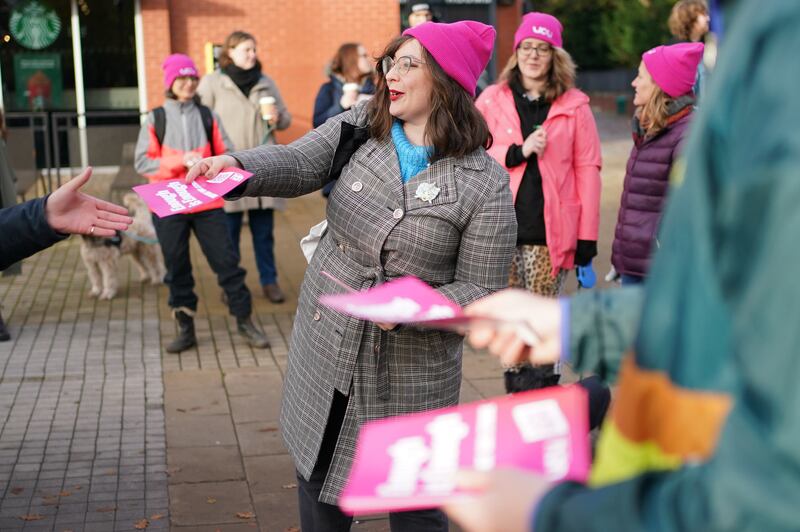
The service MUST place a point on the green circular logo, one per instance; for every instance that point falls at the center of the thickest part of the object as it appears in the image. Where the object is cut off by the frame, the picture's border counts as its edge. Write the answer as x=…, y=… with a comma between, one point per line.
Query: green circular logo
x=34, y=25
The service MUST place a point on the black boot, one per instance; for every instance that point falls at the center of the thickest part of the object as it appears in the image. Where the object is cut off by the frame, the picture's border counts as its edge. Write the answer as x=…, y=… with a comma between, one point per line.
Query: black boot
x=254, y=336
x=4, y=336
x=186, y=338
x=526, y=377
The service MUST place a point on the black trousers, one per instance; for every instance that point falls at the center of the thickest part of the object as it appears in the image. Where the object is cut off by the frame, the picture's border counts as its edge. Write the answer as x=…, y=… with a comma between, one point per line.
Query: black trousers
x=318, y=516
x=211, y=229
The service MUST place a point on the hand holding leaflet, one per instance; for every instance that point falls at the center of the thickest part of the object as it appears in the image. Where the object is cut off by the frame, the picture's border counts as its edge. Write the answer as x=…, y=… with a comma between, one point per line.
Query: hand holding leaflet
x=175, y=196
x=411, y=301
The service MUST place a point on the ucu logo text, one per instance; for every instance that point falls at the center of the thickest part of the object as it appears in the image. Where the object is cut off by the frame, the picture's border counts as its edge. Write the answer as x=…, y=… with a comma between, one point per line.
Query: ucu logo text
x=186, y=71
x=541, y=30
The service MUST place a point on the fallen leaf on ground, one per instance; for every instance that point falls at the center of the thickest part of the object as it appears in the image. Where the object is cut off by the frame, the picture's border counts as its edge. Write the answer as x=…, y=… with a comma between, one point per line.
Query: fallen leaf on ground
x=141, y=524
x=77, y=487
x=268, y=429
x=65, y=493
x=31, y=517
x=211, y=500
x=156, y=517
x=172, y=470
x=292, y=529
x=17, y=490
x=110, y=472
x=182, y=410
x=195, y=408
x=106, y=509
x=289, y=486
x=50, y=500
x=245, y=515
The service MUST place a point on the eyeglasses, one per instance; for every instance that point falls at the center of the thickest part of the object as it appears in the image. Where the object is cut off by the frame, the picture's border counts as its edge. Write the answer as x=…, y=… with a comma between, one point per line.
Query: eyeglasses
x=542, y=50
x=403, y=64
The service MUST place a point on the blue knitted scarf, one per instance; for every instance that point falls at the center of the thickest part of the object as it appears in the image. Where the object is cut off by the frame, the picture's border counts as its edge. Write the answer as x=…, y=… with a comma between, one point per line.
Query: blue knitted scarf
x=413, y=159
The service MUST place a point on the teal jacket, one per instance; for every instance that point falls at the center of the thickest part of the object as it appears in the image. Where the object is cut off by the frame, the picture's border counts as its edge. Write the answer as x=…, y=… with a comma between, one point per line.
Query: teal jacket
x=704, y=433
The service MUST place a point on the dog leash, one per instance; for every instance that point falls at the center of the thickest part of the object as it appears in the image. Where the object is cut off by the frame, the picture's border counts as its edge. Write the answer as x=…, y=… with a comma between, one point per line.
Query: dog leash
x=138, y=238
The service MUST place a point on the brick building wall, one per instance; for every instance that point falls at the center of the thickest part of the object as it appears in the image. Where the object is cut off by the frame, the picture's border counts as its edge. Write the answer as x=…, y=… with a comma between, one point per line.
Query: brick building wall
x=296, y=39
x=508, y=18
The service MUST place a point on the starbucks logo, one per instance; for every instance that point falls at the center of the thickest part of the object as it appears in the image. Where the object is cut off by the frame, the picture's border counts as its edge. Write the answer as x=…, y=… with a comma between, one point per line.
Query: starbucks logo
x=34, y=25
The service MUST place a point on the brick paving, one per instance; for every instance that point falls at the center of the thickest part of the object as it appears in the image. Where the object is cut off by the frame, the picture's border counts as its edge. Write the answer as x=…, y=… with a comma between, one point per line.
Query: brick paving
x=100, y=429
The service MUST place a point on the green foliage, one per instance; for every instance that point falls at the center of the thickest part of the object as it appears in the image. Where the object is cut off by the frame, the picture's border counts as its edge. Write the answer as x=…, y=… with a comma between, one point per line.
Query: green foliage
x=602, y=34
x=633, y=27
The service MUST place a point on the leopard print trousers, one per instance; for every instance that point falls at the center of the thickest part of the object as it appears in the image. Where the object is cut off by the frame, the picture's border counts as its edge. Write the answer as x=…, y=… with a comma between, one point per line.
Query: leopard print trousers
x=531, y=270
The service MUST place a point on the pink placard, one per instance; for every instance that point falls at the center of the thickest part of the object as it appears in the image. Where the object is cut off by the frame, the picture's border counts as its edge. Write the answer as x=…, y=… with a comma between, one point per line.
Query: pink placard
x=409, y=462
x=404, y=300
x=174, y=196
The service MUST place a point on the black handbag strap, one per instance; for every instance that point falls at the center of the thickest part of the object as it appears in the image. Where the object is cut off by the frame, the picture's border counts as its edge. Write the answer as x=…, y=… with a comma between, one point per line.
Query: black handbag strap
x=351, y=138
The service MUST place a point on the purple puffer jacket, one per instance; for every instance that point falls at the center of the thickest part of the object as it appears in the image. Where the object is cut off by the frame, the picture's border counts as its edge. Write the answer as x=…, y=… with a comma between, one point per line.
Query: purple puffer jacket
x=643, y=195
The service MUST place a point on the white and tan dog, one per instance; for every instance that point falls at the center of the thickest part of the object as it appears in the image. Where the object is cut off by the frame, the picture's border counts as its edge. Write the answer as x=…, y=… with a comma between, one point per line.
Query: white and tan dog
x=101, y=255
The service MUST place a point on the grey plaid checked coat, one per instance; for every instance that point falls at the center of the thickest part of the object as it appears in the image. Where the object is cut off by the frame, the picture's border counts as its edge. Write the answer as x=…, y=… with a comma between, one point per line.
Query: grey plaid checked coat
x=460, y=243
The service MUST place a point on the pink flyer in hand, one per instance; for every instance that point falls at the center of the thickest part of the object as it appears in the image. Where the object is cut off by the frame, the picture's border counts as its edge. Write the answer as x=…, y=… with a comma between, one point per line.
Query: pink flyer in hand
x=405, y=300
x=409, y=462
x=173, y=196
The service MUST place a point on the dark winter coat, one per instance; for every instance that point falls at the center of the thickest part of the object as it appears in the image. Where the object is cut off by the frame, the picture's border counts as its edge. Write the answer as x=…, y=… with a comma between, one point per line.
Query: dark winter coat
x=644, y=191
x=25, y=231
x=327, y=103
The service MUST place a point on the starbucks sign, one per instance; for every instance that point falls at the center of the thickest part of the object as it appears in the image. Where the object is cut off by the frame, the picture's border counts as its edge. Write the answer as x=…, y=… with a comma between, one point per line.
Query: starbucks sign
x=34, y=25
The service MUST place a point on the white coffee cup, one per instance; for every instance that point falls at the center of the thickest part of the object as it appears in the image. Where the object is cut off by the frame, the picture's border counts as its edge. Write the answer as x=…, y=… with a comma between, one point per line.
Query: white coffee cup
x=351, y=88
x=267, y=105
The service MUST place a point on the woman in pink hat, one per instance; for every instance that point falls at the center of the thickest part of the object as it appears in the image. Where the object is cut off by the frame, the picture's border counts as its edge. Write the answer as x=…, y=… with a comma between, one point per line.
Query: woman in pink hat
x=664, y=102
x=417, y=194
x=545, y=136
x=175, y=136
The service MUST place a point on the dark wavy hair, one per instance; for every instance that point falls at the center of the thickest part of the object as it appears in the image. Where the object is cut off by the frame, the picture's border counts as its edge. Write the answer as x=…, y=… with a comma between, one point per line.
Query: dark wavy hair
x=455, y=127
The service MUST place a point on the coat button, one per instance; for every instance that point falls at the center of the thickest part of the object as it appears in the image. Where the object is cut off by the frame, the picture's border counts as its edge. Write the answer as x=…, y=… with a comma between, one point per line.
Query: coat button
x=357, y=186
x=397, y=214
x=377, y=348
x=317, y=316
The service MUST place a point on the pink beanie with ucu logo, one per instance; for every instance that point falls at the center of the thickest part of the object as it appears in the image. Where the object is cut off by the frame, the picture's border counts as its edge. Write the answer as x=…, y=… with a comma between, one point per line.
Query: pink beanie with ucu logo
x=177, y=66
x=540, y=26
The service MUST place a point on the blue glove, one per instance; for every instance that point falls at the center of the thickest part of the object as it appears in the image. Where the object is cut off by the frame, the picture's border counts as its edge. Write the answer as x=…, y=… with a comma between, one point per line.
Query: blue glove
x=586, y=276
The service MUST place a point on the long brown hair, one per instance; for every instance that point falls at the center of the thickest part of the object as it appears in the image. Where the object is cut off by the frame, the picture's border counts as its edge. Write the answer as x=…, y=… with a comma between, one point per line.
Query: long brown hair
x=654, y=113
x=455, y=127
x=345, y=63
x=683, y=16
x=560, y=76
x=231, y=42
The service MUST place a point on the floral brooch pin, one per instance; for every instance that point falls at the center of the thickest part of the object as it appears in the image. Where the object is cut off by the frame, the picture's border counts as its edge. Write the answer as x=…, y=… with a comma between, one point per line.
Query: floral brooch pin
x=427, y=192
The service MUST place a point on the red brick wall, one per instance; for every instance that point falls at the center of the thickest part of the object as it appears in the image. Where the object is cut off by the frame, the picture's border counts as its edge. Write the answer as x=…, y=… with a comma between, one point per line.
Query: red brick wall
x=508, y=18
x=157, y=46
x=296, y=39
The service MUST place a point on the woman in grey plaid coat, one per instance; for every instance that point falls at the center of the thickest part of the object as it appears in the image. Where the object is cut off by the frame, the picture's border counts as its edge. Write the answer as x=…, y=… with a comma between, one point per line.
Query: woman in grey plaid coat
x=420, y=197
